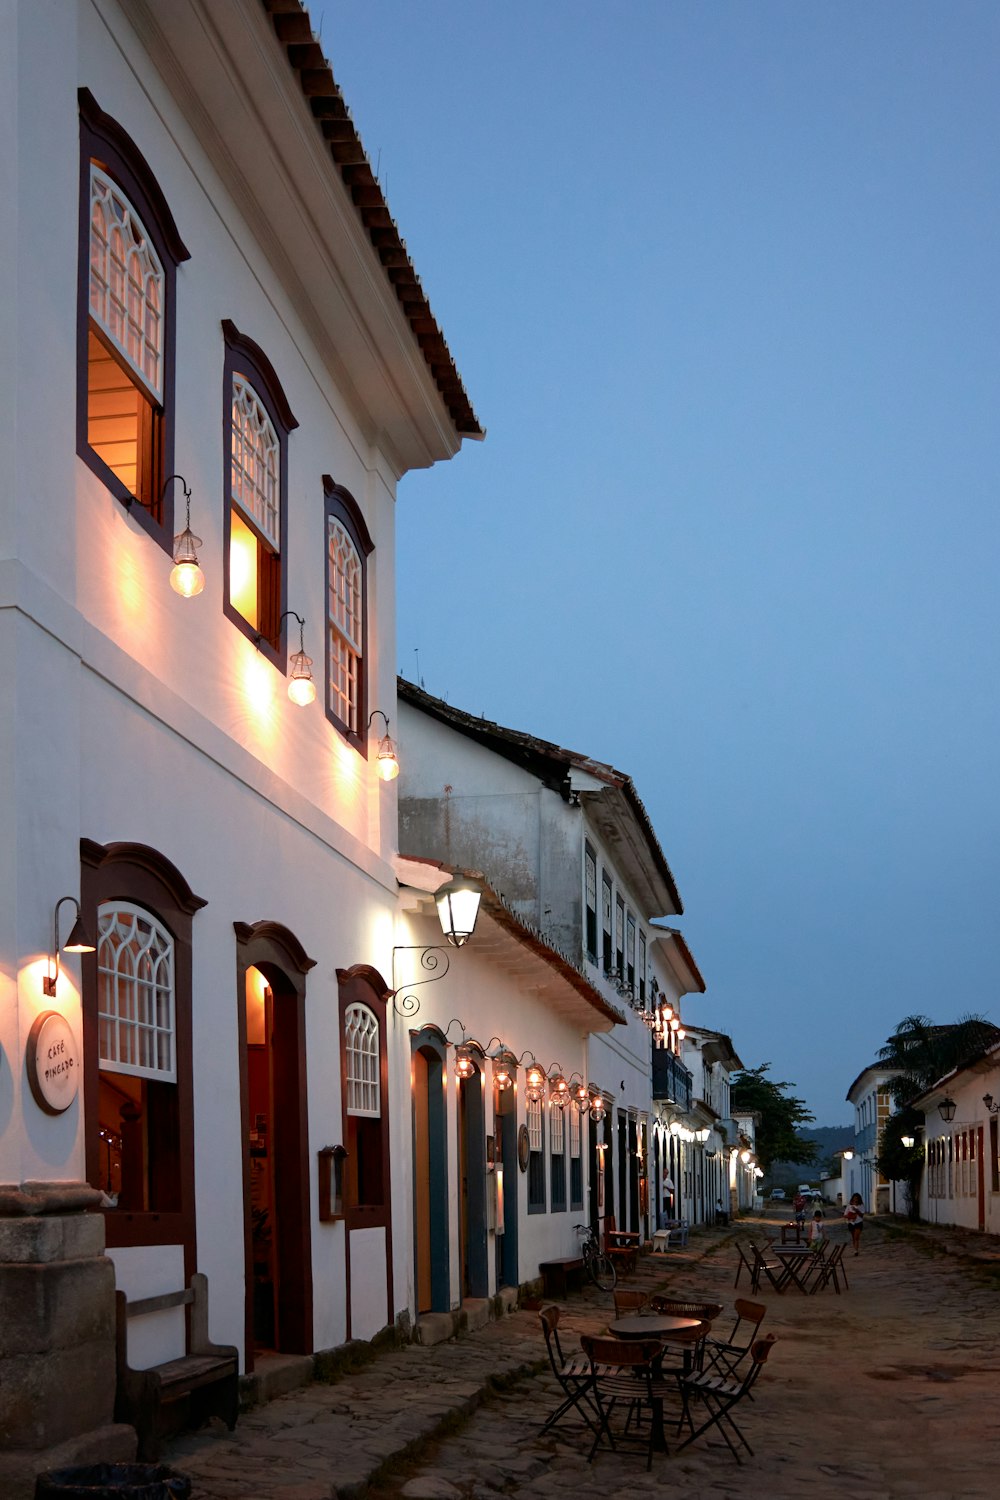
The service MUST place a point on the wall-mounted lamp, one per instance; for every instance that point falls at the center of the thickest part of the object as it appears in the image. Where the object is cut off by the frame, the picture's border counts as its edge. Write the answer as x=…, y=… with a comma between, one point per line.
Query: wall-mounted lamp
x=534, y=1083
x=907, y=1142
x=386, y=759
x=186, y=577
x=458, y=909
x=848, y=1155
x=504, y=1068
x=988, y=1101
x=597, y=1109
x=301, y=688
x=946, y=1110
x=78, y=942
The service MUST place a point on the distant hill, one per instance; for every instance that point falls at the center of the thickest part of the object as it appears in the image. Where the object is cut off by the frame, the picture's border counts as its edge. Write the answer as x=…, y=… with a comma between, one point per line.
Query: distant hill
x=828, y=1138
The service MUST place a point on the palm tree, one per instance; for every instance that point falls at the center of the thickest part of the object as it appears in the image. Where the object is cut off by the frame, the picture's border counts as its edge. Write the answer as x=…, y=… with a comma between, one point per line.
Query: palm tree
x=922, y=1052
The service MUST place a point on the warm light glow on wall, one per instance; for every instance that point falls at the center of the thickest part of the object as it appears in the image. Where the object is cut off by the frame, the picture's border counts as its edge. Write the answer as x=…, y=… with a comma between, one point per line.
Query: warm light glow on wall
x=243, y=569
x=131, y=585
x=258, y=685
x=256, y=987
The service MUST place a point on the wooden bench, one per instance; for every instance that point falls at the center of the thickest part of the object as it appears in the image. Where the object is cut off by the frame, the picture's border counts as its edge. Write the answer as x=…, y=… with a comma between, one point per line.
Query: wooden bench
x=556, y=1275
x=182, y=1392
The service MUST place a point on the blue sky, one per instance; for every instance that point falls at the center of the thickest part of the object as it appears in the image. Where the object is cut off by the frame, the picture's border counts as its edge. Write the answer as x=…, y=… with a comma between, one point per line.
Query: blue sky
x=722, y=282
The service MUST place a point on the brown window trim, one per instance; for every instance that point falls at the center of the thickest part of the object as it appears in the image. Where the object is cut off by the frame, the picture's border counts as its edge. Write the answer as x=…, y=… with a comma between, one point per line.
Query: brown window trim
x=339, y=502
x=245, y=357
x=375, y=995
x=103, y=140
x=137, y=873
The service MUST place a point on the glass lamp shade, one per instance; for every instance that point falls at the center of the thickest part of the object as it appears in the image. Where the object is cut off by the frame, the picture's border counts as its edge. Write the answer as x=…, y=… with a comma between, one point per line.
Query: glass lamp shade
x=558, y=1090
x=503, y=1071
x=464, y=1066
x=581, y=1098
x=745, y=1158
x=386, y=759
x=907, y=1141
x=597, y=1110
x=848, y=1155
x=301, y=688
x=947, y=1109
x=458, y=908
x=534, y=1084
x=186, y=577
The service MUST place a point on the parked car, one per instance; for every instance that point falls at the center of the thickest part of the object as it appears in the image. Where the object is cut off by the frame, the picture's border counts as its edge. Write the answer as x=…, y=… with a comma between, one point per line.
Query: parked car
x=778, y=1195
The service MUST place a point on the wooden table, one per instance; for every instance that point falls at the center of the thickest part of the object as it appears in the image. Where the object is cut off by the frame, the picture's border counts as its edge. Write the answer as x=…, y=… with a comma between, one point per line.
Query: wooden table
x=798, y=1261
x=654, y=1326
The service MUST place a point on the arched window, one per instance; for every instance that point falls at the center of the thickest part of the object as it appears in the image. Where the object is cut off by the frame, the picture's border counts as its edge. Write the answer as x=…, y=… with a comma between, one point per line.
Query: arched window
x=129, y=254
x=348, y=547
x=258, y=421
x=138, y=1089
x=361, y=1042
x=135, y=993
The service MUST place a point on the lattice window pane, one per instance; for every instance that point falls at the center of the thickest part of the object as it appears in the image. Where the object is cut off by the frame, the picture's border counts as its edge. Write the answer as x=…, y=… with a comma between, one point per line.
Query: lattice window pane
x=361, y=1042
x=135, y=997
x=126, y=281
x=557, y=1127
x=574, y=1133
x=591, y=868
x=344, y=624
x=255, y=479
x=535, y=1125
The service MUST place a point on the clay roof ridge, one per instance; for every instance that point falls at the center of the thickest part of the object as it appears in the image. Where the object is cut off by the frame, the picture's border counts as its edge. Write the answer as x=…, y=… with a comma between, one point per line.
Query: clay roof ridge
x=293, y=29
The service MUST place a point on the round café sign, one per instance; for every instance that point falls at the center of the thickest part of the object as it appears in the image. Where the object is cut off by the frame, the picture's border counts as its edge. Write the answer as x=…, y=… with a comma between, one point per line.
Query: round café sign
x=53, y=1062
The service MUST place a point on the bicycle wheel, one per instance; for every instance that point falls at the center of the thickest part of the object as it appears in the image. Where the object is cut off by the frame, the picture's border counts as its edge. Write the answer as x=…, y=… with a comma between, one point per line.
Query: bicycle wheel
x=602, y=1272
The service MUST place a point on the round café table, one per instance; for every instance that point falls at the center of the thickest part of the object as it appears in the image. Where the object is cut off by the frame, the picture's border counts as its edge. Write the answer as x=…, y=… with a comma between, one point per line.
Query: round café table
x=654, y=1326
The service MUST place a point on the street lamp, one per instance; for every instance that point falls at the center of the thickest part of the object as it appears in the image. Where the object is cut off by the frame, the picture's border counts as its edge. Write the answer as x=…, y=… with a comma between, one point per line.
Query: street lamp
x=946, y=1109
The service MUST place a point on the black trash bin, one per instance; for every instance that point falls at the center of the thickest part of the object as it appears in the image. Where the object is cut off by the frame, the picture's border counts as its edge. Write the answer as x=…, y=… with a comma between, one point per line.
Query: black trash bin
x=113, y=1482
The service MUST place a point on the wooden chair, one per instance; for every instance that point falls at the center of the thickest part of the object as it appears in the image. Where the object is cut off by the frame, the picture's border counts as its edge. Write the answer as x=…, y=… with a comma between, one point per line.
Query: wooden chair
x=688, y=1344
x=622, y=1374
x=745, y=1261
x=682, y=1308
x=720, y=1396
x=830, y=1268
x=765, y=1270
x=621, y=1247
x=573, y=1375
x=628, y=1302
x=726, y=1355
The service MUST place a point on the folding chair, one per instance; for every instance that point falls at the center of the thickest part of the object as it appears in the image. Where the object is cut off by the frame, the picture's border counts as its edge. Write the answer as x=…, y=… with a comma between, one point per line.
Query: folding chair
x=831, y=1268
x=720, y=1396
x=622, y=1373
x=621, y=1246
x=628, y=1302
x=680, y=1308
x=574, y=1375
x=772, y=1270
x=745, y=1261
x=726, y=1355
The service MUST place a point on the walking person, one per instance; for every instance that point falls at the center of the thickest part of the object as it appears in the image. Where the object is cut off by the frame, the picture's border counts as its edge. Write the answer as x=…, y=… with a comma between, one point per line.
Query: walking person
x=799, y=1207
x=854, y=1215
x=817, y=1231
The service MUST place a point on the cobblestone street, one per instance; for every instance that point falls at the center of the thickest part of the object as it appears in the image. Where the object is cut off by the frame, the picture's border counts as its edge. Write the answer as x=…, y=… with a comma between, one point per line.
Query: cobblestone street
x=890, y=1389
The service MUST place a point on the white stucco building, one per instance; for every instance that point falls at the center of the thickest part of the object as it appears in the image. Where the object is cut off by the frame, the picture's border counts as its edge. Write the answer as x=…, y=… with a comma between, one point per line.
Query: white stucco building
x=568, y=843
x=872, y=1104
x=961, y=1178
x=213, y=306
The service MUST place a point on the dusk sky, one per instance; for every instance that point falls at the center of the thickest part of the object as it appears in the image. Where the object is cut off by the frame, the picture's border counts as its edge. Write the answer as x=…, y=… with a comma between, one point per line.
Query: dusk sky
x=722, y=278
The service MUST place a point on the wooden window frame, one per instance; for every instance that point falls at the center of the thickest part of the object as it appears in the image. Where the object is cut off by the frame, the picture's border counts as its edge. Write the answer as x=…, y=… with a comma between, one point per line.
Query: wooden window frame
x=246, y=358
x=136, y=873
x=590, y=912
x=607, y=931
x=340, y=504
x=104, y=142
x=558, y=1173
x=374, y=997
x=536, y=1192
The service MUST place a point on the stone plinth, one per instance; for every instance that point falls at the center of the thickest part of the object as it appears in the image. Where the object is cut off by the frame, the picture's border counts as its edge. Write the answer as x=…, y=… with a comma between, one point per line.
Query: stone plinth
x=57, y=1335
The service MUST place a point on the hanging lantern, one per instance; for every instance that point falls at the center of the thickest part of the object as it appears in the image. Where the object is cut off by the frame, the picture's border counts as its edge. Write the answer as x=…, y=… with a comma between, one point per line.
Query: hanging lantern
x=581, y=1097
x=534, y=1084
x=558, y=1090
x=464, y=1065
x=503, y=1071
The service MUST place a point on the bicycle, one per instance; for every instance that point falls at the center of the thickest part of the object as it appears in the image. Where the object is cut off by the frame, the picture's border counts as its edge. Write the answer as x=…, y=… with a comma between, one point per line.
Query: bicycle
x=597, y=1265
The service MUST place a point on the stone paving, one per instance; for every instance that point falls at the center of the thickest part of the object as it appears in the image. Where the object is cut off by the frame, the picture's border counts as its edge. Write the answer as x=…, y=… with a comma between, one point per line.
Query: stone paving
x=891, y=1389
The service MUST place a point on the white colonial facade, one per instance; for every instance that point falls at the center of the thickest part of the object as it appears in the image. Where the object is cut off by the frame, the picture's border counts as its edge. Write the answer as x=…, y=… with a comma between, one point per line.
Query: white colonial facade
x=200, y=333
x=869, y=1095
x=961, y=1177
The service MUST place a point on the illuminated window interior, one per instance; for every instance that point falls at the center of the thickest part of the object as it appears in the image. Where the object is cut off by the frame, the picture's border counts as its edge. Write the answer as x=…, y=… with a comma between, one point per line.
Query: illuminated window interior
x=255, y=512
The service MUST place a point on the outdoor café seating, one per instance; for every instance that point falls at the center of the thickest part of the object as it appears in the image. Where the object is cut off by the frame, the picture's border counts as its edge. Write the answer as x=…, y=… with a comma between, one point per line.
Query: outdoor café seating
x=573, y=1374
x=726, y=1355
x=718, y=1397
x=624, y=1374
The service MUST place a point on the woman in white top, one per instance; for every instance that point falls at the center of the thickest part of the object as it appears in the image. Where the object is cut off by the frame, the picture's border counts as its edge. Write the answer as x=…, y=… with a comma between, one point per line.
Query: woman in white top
x=854, y=1214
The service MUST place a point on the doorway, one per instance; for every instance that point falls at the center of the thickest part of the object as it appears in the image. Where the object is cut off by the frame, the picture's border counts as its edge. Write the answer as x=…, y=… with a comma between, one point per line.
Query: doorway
x=472, y=1187
x=278, y=1250
x=430, y=1175
x=507, y=1174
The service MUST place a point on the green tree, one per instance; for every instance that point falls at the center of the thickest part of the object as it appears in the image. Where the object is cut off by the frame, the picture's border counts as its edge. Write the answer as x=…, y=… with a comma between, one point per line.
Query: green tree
x=780, y=1115
x=903, y=1163
x=922, y=1052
